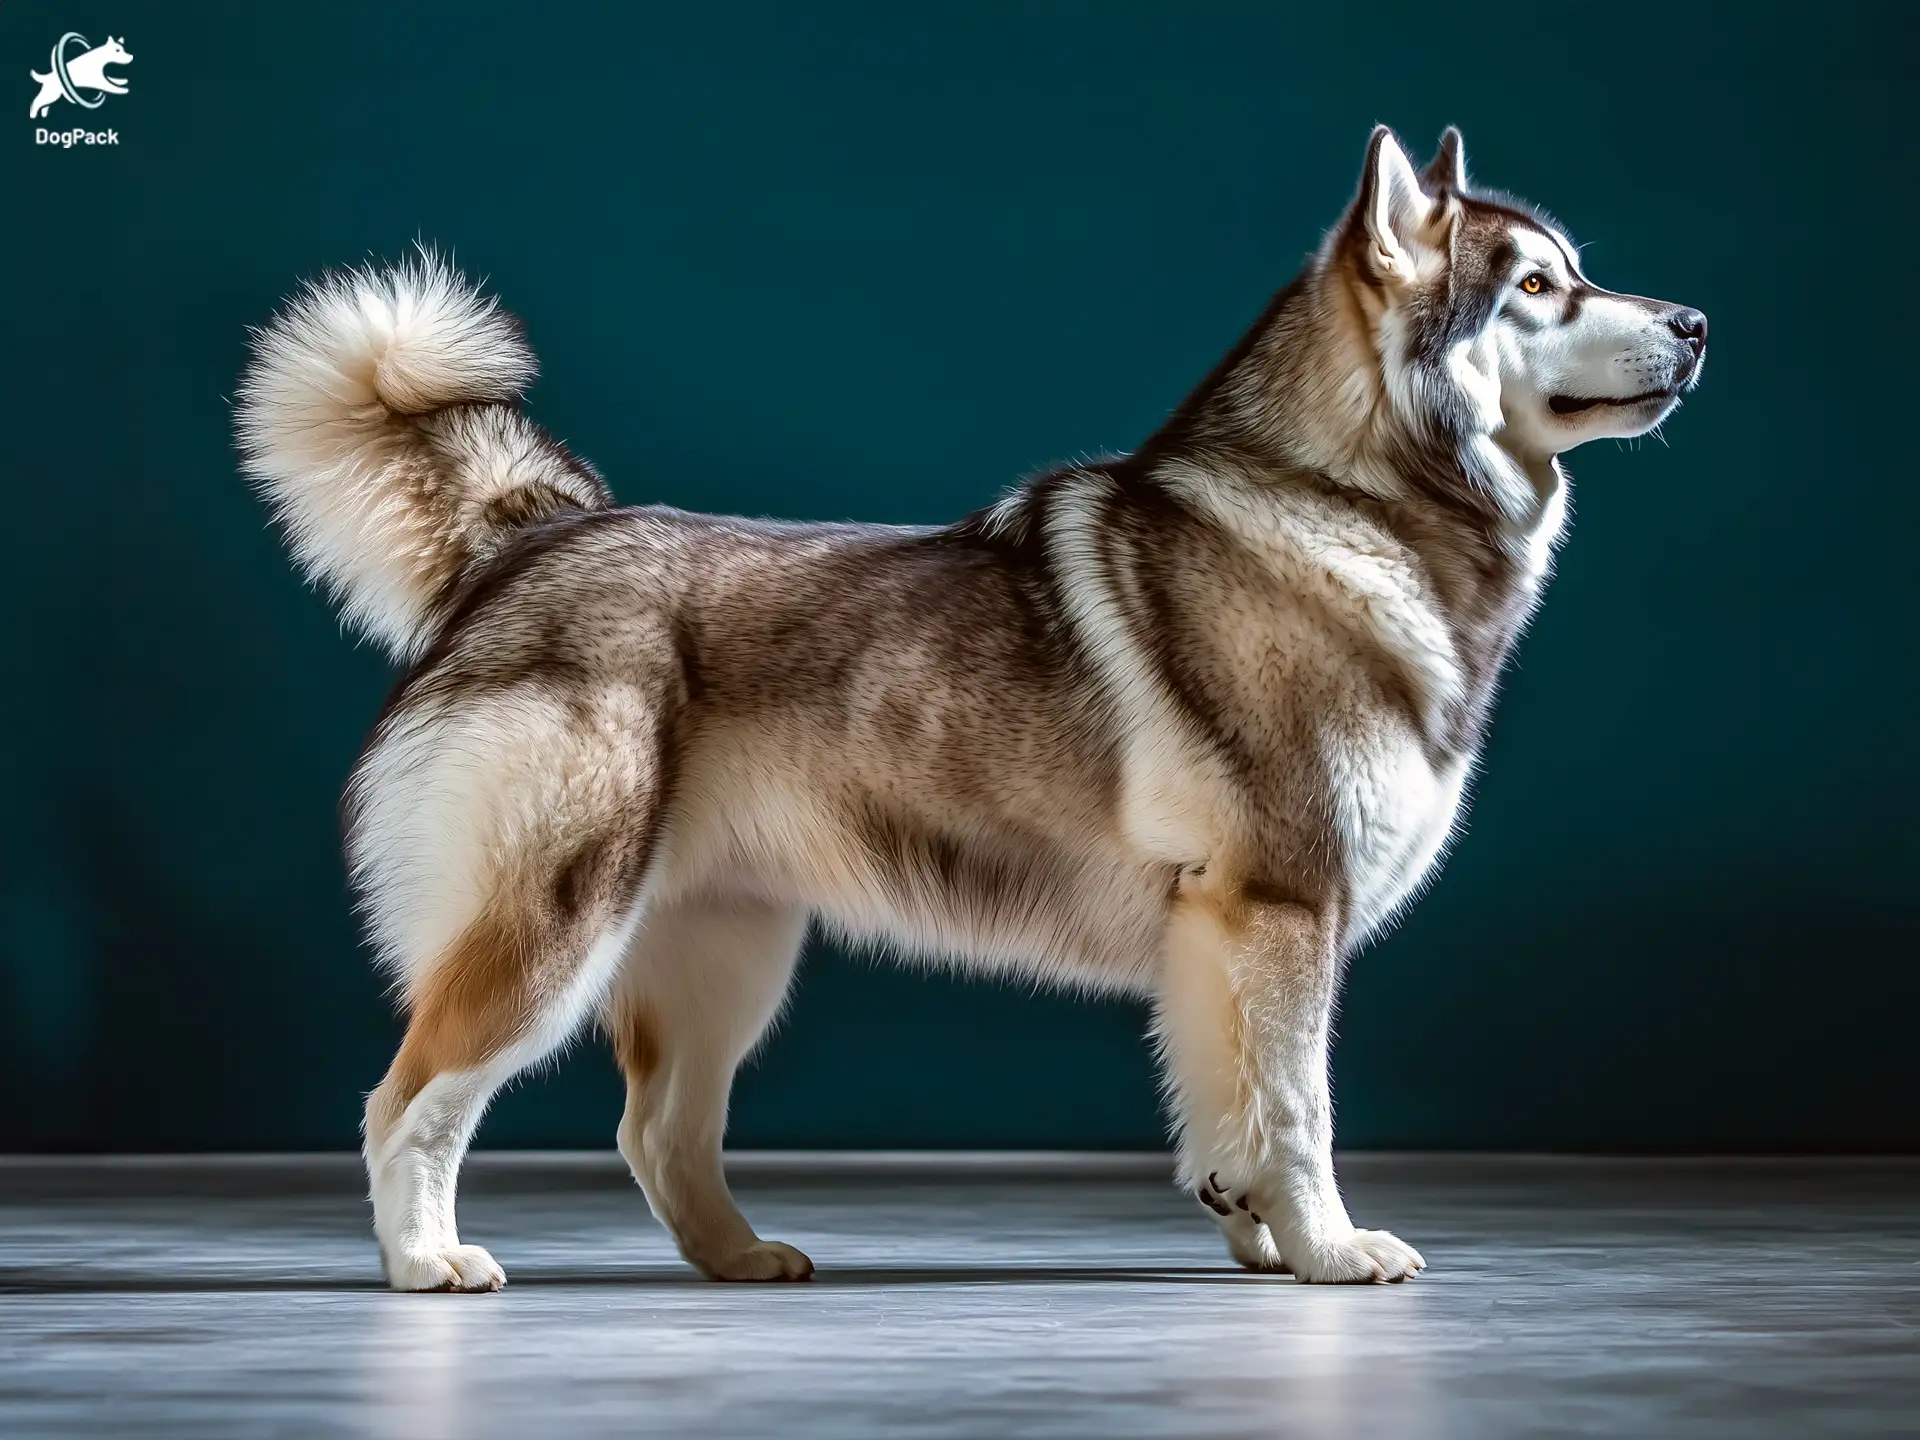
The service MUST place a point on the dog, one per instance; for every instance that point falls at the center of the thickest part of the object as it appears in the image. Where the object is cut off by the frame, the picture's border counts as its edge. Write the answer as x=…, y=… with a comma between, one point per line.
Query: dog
x=86, y=71
x=1191, y=724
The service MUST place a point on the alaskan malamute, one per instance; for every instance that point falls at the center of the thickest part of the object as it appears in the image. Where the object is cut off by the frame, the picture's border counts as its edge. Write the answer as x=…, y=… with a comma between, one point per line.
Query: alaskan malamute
x=1189, y=724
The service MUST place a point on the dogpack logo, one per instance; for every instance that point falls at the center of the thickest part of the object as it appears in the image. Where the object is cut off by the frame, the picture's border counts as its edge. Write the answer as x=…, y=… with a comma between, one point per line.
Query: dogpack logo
x=77, y=71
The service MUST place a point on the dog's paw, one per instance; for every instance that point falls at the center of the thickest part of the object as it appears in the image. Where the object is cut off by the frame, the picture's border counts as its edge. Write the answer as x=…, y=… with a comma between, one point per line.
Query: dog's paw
x=1252, y=1246
x=1248, y=1239
x=762, y=1260
x=463, y=1267
x=1365, y=1257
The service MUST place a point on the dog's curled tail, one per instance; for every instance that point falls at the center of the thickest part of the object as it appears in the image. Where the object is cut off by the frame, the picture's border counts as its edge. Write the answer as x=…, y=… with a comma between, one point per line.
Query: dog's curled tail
x=379, y=417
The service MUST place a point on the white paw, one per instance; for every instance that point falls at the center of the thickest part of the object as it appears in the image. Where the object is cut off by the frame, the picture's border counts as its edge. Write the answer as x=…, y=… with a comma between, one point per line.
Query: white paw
x=1252, y=1245
x=463, y=1267
x=762, y=1260
x=1366, y=1257
x=1249, y=1241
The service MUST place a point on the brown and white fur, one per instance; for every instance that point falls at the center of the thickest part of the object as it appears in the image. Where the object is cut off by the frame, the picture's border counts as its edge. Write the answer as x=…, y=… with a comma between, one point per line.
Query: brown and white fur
x=1189, y=724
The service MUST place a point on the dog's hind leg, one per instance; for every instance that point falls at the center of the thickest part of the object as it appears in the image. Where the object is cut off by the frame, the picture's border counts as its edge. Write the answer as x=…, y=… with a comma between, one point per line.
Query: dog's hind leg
x=514, y=988
x=702, y=982
x=505, y=848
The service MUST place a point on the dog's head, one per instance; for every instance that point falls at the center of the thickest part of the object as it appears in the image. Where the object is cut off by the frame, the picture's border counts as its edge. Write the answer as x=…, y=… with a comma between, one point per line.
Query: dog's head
x=1481, y=318
x=113, y=52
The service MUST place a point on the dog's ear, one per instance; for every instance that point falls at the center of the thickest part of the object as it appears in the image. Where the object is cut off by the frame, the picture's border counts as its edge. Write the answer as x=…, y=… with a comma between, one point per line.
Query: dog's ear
x=1392, y=210
x=1447, y=172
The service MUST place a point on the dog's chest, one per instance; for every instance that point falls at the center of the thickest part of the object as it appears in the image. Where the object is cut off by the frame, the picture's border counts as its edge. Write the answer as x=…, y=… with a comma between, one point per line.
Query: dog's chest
x=1349, y=660
x=1394, y=810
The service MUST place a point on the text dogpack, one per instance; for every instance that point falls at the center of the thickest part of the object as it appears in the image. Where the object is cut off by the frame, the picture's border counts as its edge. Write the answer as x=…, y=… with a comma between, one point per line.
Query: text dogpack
x=67, y=139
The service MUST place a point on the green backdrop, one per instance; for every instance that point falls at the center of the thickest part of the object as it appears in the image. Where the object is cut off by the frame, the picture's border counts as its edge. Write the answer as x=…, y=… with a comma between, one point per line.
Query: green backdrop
x=837, y=260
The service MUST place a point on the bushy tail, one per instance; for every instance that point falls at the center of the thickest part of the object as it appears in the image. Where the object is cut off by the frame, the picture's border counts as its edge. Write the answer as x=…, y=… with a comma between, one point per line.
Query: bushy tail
x=379, y=417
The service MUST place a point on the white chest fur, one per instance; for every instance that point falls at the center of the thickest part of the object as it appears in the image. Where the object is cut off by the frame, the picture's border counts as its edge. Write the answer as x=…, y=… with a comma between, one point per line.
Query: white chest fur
x=1395, y=811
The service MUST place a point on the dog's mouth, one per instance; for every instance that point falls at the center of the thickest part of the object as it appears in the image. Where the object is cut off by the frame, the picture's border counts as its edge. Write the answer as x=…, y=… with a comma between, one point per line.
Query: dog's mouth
x=1578, y=404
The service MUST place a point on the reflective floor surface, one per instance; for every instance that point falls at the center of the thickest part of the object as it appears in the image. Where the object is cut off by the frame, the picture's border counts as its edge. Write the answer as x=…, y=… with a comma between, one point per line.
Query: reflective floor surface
x=968, y=1296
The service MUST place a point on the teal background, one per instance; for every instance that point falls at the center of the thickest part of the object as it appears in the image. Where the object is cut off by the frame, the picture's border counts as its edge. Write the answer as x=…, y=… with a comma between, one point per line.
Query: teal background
x=860, y=261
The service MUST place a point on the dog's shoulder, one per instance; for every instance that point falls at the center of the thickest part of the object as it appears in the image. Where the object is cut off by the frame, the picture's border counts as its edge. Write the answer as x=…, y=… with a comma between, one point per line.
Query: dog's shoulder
x=1335, y=566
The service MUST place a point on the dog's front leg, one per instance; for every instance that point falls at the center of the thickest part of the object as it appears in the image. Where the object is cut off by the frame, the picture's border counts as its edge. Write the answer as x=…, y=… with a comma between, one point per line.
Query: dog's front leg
x=1246, y=997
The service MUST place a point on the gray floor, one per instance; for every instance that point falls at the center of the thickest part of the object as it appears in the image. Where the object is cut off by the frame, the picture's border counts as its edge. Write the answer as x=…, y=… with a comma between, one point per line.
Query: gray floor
x=1069, y=1298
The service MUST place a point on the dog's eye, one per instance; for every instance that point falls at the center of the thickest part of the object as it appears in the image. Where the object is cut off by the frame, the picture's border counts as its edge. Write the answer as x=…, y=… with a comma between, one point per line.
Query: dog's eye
x=1534, y=283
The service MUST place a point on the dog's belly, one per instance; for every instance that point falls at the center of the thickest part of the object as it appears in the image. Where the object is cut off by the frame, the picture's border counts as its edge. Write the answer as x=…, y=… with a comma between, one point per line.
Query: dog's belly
x=1396, y=810
x=989, y=891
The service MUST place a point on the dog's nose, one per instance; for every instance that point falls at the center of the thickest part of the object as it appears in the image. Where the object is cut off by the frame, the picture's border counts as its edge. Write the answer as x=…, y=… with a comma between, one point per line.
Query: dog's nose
x=1690, y=326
